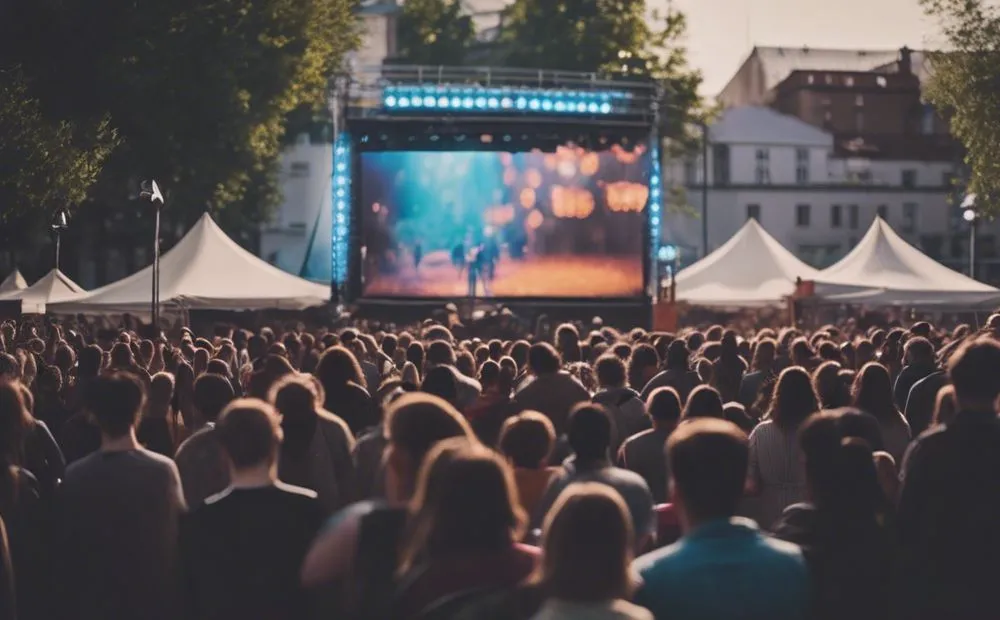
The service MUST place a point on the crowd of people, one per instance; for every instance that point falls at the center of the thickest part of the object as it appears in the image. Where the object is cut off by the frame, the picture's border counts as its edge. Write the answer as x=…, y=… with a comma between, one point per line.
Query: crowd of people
x=413, y=475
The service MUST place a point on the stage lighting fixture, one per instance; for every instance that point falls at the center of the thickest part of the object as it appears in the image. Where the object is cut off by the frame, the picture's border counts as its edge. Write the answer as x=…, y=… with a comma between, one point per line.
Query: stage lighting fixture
x=486, y=138
x=390, y=101
x=435, y=138
x=456, y=97
x=339, y=247
x=655, y=198
x=667, y=253
x=507, y=138
x=493, y=103
x=443, y=102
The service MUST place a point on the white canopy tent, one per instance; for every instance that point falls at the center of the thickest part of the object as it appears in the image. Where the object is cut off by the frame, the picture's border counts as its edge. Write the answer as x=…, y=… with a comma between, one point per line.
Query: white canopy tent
x=750, y=270
x=205, y=270
x=885, y=270
x=52, y=288
x=14, y=282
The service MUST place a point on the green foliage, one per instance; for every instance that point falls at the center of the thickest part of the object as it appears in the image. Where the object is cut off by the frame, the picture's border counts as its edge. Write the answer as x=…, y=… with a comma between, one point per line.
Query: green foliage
x=434, y=32
x=965, y=87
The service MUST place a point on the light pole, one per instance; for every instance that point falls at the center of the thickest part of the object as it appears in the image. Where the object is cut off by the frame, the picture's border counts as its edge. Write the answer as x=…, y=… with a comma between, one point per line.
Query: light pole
x=58, y=226
x=704, y=189
x=151, y=192
x=970, y=215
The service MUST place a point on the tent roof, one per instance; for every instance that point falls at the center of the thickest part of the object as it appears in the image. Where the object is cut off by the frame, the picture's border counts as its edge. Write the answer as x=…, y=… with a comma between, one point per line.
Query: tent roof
x=53, y=287
x=884, y=262
x=14, y=282
x=751, y=269
x=206, y=270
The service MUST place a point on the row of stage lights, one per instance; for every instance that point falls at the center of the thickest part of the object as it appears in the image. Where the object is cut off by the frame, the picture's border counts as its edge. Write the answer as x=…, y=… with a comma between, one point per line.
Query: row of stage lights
x=497, y=100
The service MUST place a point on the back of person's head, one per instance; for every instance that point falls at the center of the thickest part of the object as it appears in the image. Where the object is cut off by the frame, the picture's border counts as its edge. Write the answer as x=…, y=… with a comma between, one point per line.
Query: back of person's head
x=643, y=364
x=415, y=354
x=465, y=501
x=121, y=355
x=527, y=439
x=974, y=371
x=489, y=374
x=15, y=422
x=161, y=389
x=918, y=350
x=678, y=355
x=211, y=395
x=410, y=375
x=708, y=467
x=543, y=359
x=839, y=470
x=588, y=432
x=519, y=353
x=829, y=387
x=794, y=398
x=440, y=353
x=115, y=400
x=873, y=392
x=249, y=432
x=622, y=350
x=440, y=381
x=10, y=368
x=664, y=405
x=219, y=367
x=495, y=350
x=945, y=406
x=764, y=354
x=466, y=364
x=297, y=397
x=704, y=402
x=338, y=367
x=438, y=333
x=611, y=371
x=587, y=546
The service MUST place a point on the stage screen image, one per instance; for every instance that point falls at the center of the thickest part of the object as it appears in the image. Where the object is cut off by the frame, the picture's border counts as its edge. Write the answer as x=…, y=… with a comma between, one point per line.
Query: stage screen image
x=568, y=223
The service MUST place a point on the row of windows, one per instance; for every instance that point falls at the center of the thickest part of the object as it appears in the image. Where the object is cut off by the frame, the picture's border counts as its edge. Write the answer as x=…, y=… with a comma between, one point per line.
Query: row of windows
x=803, y=215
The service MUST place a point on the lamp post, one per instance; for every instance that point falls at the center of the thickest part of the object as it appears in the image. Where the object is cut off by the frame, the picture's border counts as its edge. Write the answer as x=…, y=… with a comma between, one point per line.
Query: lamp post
x=58, y=225
x=151, y=192
x=704, y=188
x=970, y=215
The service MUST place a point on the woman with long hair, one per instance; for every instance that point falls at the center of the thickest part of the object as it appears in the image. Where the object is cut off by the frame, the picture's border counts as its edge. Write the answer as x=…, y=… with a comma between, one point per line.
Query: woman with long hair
x=873, y=394
x=704, y=402
x=344, y=384
x=587, y=551
x=829, y=387
x=677, y=372
x=761, y=368
x=841, y=527
x=775, y=475
x=465, y=524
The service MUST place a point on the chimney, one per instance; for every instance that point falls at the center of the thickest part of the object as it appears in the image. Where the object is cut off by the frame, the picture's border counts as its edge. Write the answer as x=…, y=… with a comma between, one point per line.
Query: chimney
x=905, y=62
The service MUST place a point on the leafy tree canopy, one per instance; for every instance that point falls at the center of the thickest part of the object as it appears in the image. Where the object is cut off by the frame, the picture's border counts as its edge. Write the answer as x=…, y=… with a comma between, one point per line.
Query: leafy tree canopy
x=434, y=32
x=965, y=86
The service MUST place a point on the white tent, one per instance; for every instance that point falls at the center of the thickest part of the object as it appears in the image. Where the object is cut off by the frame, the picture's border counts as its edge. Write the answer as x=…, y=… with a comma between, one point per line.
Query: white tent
x=53, y=287
x=883, y=269
x=205, y=270
x=751, y=269
x=14, y=282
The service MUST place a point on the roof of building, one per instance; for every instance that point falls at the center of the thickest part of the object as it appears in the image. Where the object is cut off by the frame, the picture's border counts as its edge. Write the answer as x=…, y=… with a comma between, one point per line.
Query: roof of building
x=762, y=125
x=778, y=62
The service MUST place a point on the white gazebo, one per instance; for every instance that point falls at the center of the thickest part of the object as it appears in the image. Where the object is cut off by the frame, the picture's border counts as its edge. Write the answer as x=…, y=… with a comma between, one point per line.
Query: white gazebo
x=750, y=270
x=14, y=282
x=205, y=270
x=53, y=287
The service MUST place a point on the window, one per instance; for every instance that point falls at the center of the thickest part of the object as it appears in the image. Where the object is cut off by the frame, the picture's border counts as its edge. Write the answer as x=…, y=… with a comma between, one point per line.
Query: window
x=802, y=166
x=987, y=246
x=835, y=216
x=299, y=169
x=859, y=121
x=881, y=81
x=883, y=212
x=810, y=79
x=909, y=179
x=859, y=101
x=927, y=120
x=848, y=81
x=690, y=172
x=865, y=176
x=753, y=212
x=802, y=216
x=852, y=217
x=763, y=172
x=828, y=78
x=909, y=217
x=720, y=164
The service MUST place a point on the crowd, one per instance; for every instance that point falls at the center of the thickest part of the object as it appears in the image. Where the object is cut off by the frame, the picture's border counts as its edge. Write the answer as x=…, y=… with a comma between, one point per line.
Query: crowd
x=415, y=475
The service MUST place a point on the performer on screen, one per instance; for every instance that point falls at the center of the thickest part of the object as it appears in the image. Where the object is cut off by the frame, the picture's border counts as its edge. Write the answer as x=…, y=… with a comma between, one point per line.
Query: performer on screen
x=418, y=255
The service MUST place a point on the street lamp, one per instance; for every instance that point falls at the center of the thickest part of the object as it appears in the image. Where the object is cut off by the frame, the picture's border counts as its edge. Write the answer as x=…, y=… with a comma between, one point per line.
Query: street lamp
x=58, y=225
x=151, y=192
x=970, y=215
x=667, y=257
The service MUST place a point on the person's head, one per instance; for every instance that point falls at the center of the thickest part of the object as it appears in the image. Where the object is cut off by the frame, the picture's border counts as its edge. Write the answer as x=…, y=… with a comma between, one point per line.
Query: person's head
x=527, y=439
x=440, y=381
x=873, y=392
x=389, y=344
x=297, y=398
x=249, y=431
x=974, y=371
x=415, y=354
x=704, y=402
x=115, y=400
x=945, y=407
x=121, y=356
x=414, y=423
x=611, y=371
x=794, y=399
x=708, y=467
x=465, y=501
x=466, y=364
x=764, y=354
x=161, y=389
x=588, y=431
x=211, y=395
x=65, y=358
x=587, y=546
x=337, y=368
x=495, y=348
x=543, y=359
x=829, y=387
x=664, y=407
x=10, y=368
x=918, y=350
x=489, y=374
x=678, y=355
x=642, y=366
x=410, y=375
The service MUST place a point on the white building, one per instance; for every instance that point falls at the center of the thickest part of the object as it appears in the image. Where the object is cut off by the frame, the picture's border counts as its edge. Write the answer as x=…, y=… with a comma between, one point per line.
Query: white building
x=784, y=172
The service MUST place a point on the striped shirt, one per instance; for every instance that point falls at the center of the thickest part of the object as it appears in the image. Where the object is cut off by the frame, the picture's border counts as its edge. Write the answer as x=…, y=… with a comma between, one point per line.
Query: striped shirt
x=776, y=466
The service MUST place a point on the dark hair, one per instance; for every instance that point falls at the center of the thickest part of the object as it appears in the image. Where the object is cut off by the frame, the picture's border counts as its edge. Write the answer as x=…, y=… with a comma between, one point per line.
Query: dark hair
x=678, y=355
x=704, y=402
x=211, y=395
x=643, y=356
x=919, y=349
x=161, y=388
x=416, y=421
x=794, y=399
x=296, y=398
x=90, y=362
x=527, y=439
x=489, y=373
x=543, y=359
x=416, y=355
x=588, y=432
x=708, y=466
x=610, y=371
x=594, y=570
x=829, y=387
x=115, y=400
x=973, y=371
x=466, y=364
x=764, y=354
x=440, y=381
x=873, y=392
x=337, y=368
x=664, y=405
x=440, y=353
x=249, y=432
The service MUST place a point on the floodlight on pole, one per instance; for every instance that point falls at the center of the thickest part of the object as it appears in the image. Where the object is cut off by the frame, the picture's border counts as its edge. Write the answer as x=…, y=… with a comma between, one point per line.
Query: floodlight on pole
x=151, y=192
x=971, y=215
x=59, y=224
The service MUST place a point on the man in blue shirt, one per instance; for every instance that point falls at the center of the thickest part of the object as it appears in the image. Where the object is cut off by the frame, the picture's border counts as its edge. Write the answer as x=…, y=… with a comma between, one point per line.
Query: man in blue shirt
x=723, y=567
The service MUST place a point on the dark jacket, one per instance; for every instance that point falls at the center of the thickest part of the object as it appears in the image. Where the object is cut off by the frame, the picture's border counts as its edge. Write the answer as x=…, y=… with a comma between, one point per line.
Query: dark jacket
x=919, y=410
x=906, y=380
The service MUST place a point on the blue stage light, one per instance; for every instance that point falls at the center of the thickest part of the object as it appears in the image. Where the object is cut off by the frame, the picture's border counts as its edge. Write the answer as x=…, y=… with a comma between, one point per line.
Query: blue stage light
x=560, y=106
x=658, y=250
x=340, y=246
x=667, y=253
x=467, y=103
x=535, y=104
x=480, y=102
x=469, y=98
x=456, y=102
x=443, y=102
x=404, y=102
x=390, y=101
x=493, y=103
x=429, y=101
x=521, y=103
x=605, y=108
x=593, y=108
x=547, y=105
x=506, y=103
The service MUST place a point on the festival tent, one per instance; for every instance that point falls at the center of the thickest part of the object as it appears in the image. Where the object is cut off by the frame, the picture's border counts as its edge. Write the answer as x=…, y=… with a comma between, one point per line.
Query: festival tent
x=14, y=282
x=885, y=270
x=750, y=270
x=205, y=270
x=53, y=287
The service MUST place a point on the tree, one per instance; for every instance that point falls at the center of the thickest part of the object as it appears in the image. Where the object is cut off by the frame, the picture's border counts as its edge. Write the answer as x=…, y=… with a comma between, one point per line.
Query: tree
x=434, y=32
x=965, y=87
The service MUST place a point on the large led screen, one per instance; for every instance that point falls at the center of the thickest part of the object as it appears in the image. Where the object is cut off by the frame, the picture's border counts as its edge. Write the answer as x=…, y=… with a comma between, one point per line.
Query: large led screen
x=568, y=223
